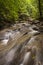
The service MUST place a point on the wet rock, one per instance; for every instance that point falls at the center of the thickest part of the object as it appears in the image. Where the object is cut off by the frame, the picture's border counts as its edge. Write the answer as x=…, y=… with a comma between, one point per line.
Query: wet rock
x=28, y=52
x=34, y=27
x=41, y=29
x=35, y=22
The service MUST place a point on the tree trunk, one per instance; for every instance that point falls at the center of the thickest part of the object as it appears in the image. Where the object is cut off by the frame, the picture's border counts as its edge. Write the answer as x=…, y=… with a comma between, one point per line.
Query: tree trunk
x=40, y=13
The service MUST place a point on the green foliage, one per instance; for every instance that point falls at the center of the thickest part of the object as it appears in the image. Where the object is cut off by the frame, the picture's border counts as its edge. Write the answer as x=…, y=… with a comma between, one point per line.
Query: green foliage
x=10, y=10
x=33, y=8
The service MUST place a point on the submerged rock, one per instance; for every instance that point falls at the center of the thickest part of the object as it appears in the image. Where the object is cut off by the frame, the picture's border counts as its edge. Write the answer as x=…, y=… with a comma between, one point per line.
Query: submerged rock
x=24, y=47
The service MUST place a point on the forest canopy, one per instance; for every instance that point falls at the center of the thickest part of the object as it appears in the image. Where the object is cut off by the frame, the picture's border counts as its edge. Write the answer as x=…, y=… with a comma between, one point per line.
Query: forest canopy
x=11, y=10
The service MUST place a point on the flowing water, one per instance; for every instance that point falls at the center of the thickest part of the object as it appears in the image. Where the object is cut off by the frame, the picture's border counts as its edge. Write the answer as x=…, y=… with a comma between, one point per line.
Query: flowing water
x=21, y=45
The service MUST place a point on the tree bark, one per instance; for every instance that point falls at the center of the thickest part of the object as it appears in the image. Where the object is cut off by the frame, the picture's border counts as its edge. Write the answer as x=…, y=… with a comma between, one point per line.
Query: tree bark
x=40, y=13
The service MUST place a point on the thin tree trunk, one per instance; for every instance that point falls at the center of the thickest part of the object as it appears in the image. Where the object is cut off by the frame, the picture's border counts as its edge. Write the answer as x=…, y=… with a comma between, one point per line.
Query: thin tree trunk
x=40, y=9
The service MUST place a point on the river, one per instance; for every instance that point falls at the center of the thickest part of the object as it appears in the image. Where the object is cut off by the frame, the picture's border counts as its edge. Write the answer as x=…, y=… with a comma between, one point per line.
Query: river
x=21, y=44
